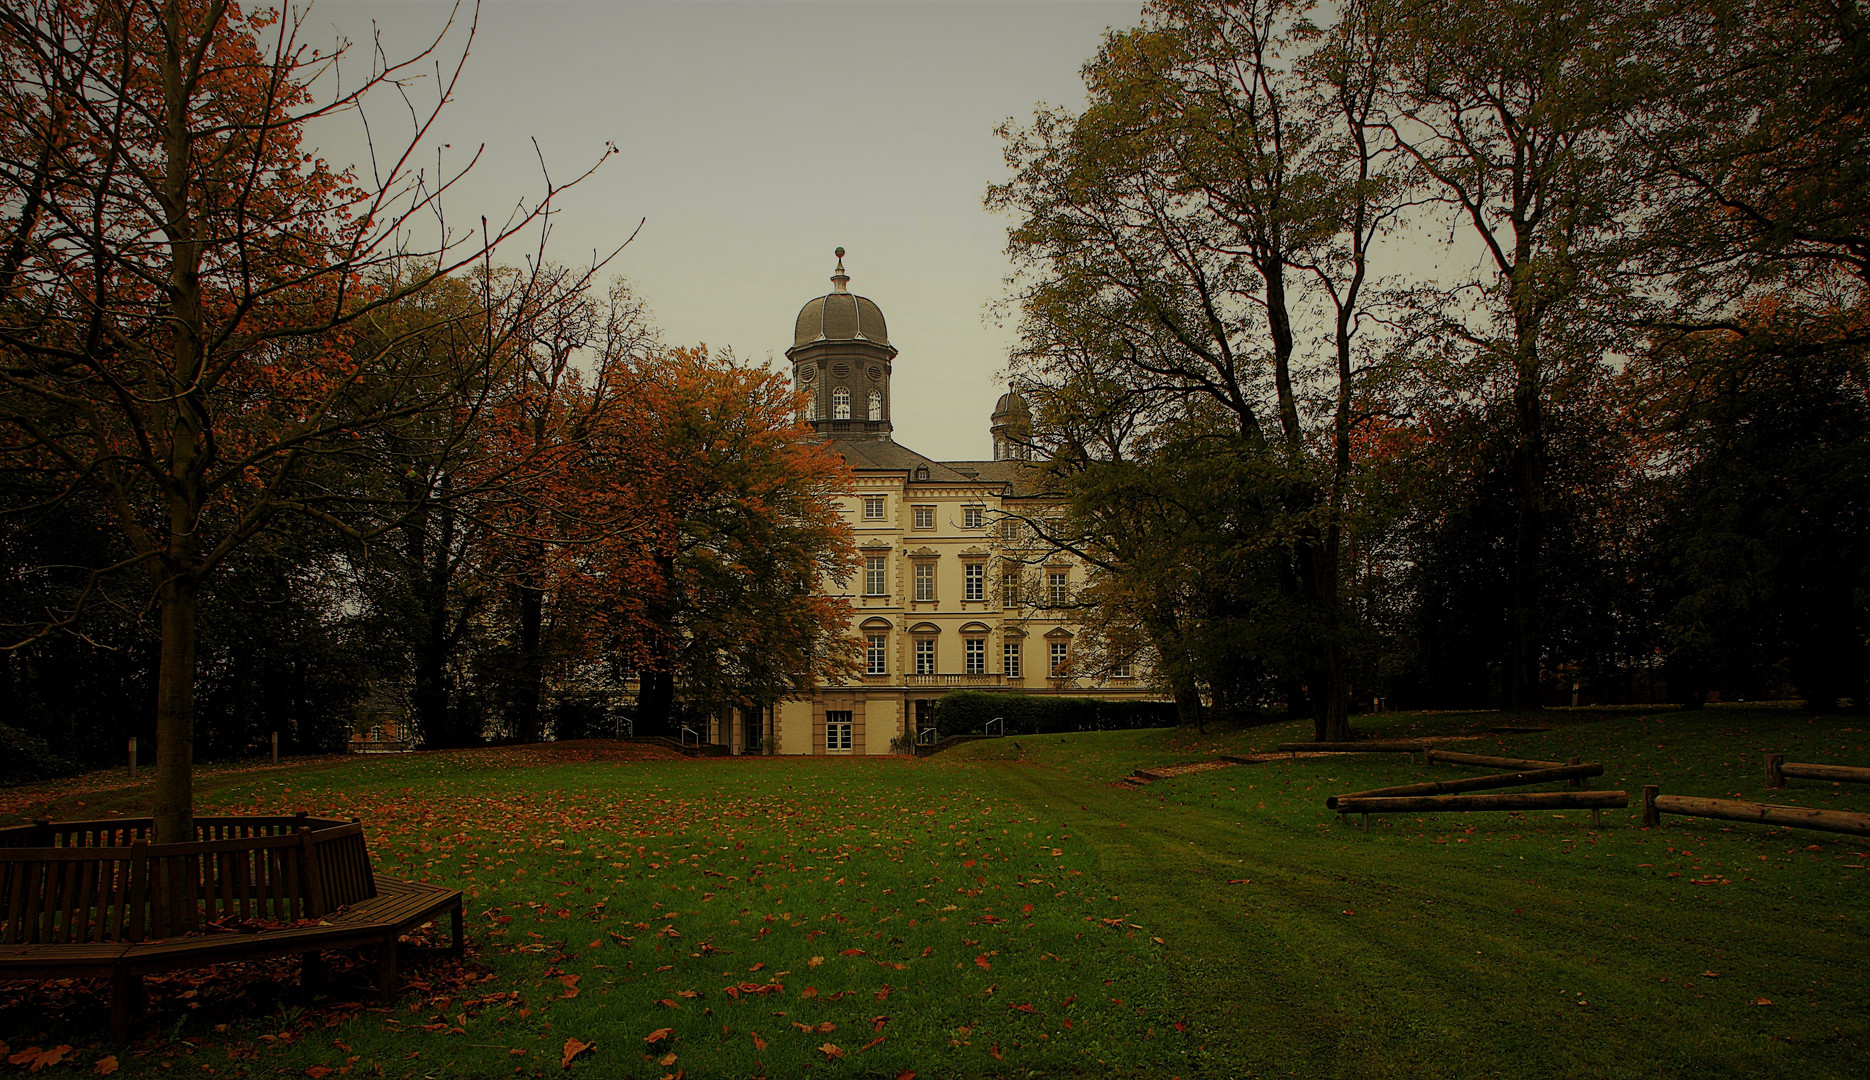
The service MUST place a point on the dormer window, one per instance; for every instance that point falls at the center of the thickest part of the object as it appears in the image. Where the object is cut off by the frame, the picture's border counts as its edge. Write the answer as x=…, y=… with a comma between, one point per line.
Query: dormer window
x=922, y=472
x=876, y=405
x=841, y=403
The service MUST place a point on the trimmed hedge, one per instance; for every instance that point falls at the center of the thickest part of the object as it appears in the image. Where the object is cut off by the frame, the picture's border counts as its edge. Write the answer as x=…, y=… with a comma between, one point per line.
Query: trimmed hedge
x=966, y=712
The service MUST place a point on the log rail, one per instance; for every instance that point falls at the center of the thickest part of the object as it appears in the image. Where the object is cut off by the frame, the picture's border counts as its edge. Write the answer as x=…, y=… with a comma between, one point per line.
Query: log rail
x=1778, y=769
x=1656, y=804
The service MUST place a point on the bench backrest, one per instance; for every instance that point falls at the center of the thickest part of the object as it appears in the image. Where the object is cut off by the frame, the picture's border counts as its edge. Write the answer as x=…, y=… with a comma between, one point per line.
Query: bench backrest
x=86, y=892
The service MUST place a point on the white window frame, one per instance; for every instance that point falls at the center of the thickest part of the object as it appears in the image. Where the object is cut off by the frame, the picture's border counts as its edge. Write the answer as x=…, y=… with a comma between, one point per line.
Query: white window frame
x=973, y=517
x=876, y=405
x=1011, y=584
x=1121, y=670
x=841, y=403
x=876, y=575
x=1009, y=528
x=838, y=732
x=1010, y=658
x=924, y=575
x=876, y=654
x=873, y=508
x=974, y=655
x=925, y=656
x=923, y=517
x=1058, y=587
x=974, y=581
x=1061, y=656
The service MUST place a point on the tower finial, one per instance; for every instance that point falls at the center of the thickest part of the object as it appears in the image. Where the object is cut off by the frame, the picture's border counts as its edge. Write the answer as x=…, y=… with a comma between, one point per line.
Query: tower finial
x=840, y=279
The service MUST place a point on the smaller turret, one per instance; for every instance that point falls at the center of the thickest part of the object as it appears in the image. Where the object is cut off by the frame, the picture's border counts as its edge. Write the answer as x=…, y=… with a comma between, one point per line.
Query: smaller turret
x=1012, y=428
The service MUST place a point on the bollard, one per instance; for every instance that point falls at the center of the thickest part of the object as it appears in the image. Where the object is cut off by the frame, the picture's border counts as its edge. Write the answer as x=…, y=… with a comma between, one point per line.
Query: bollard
x=132, y=757
x=1651, y=816
x=275, y=747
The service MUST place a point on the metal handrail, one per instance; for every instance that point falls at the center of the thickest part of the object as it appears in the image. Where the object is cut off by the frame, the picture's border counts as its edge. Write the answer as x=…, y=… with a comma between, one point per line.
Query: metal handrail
x=688, y=733
x=625, y=728
x=926, y=737
x=996, y=727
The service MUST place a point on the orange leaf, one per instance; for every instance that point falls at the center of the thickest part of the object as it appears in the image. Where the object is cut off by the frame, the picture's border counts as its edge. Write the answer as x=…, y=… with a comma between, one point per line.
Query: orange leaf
x=51, y=1057
x=758, y=1043
x=669, y=1003
x=982, y=961
x=831, y=1051
x=31, y=1053
x=667, y=1059
x=573, y=1047
x=319, y=1072
x=827, y=1028
x=571, y=984
x=872, y=1043
x=657, y=1035
x=906, y=1074
x=995, y=1051
x=105, y=1065
x=852, y=952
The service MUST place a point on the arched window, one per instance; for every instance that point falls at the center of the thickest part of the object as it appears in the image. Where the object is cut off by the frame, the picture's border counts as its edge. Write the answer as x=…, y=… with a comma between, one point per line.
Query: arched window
x=811, y=408
x=876, y=405
x=841, y=404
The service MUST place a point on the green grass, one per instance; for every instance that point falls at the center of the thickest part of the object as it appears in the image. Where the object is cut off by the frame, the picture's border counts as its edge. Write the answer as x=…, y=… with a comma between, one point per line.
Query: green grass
x=1477, y=945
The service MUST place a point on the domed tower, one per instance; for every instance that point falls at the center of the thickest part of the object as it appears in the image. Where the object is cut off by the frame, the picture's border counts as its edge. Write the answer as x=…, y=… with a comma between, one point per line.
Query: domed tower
x=1012, y=428
x=841, y=353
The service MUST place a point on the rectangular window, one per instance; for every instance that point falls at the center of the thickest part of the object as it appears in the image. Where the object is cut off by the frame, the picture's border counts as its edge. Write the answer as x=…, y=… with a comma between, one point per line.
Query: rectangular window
x=925, y=517
x=1009, y=528
x=925, y=656
x=873, y=508
x=874, y=575
x=1057, y=587
x=1061, y=651
x=925, y=581
x=1009, y=659
x=1121, y=671
x=876, y=654
x=974, y=579
x=974, y=651
x=973, y=517
x=1010, y=588
x=837, y=732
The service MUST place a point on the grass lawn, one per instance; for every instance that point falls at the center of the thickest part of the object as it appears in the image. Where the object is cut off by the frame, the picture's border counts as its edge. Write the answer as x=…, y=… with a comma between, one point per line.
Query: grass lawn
x=1004, y=910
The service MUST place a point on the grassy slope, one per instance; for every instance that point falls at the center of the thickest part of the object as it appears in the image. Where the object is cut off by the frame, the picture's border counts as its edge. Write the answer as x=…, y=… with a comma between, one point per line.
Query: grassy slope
x=1486, y=945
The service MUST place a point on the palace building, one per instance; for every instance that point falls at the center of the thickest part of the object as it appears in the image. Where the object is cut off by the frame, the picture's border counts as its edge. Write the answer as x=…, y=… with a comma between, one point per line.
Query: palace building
x=954, y=591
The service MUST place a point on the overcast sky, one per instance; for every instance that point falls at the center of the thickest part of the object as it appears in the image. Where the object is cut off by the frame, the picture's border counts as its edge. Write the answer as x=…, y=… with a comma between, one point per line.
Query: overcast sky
x=757, y=136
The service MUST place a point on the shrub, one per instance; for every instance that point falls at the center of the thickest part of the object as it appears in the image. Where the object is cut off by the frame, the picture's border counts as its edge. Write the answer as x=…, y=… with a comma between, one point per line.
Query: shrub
x=966, y=712
x=25, y=758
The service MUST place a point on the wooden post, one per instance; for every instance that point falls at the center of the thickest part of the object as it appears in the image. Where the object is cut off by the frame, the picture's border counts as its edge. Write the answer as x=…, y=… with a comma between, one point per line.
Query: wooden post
x=132, y=757
x=1651, y=816
x=1597, y=818
x=275, y=747
x=1774, y=778
x=1578, y=783
x=1366, y=822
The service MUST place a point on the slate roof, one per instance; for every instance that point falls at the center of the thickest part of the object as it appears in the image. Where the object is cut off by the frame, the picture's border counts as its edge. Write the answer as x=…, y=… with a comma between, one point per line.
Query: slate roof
x=1021, y=477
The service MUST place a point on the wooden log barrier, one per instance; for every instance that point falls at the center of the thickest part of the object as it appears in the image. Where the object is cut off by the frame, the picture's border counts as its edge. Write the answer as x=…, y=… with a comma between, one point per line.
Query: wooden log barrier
x=1432, y=755
x=1795, y=817
x=1362, y=746
x=1594, y=801
x=1476, y=783
x=1778, y=768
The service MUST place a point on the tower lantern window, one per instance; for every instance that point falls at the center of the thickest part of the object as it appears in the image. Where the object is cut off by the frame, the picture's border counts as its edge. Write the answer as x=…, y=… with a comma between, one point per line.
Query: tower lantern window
x=841, y=403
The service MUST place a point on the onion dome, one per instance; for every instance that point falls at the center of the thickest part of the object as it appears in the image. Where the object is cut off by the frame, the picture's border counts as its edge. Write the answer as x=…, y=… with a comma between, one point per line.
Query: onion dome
x=1011, y=404
x=840, y=315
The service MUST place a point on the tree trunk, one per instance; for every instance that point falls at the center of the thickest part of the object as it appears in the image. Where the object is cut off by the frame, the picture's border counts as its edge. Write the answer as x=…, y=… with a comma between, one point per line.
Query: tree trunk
x=174, y=809
x=532, y=661
x=655, y=700
x=1528, y=496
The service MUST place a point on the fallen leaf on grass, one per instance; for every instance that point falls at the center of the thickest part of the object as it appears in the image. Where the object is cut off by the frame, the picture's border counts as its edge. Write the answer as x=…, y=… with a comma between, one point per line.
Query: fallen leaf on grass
x=319, y=1072
x=871, y=1043
x=831, y=1051
x=995, y=1051
x=666, y=1060
x=658, y=1035
x=1710, y=974
x=981, y=960
x=105, y=1065
x=688, y=993
x=1762, y=1001
x=815, y=961
x=852, y=952
x=906, y=1074
x=1241, y=881
x=574, y=1047
x=758, y=1043
x=669, y=1003
x=571, y=984
x=40, y=1059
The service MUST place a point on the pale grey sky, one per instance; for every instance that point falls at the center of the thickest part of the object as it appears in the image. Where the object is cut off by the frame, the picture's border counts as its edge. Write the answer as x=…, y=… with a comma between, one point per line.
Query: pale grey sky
x=757, y=136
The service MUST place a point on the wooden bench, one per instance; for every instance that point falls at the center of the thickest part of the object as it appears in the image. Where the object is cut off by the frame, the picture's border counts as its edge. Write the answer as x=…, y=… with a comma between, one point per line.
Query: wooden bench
x=96, y=899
